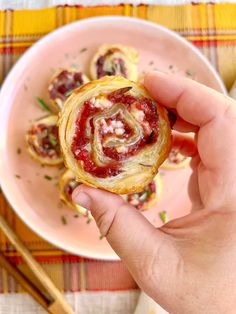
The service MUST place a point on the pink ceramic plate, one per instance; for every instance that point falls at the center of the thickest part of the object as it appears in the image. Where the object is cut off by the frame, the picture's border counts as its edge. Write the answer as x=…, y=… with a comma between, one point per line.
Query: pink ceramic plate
x=34, y=198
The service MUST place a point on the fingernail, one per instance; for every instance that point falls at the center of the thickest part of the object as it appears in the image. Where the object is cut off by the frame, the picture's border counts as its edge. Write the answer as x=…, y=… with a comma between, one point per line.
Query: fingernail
x=82, y=199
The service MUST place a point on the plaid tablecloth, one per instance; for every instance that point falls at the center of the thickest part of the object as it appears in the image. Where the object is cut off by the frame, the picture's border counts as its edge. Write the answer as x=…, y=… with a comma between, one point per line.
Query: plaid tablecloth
x=211, y=27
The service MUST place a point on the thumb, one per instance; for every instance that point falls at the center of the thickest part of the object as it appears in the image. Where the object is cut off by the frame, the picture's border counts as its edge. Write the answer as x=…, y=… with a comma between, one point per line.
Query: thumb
x=129, y=233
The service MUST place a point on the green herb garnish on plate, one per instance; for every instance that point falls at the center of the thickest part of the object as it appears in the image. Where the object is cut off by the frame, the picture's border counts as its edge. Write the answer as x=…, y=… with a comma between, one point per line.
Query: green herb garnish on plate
x=83, y=50
x=63, y=220
x=163, y=216
x=43, y=104
x=47, y=177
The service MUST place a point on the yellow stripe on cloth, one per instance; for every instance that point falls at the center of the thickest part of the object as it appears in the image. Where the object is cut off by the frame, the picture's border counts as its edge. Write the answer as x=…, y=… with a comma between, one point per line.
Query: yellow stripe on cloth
x=30, y=22
x=225, y=15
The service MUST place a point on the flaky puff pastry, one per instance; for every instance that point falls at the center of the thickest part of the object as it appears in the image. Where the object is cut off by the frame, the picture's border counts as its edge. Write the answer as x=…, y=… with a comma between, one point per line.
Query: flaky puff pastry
x=175, y=160
x=149, y=197
x=67, y=184
x=43, y=143
x=115, y=60
x=120, y=146
x=61, y=85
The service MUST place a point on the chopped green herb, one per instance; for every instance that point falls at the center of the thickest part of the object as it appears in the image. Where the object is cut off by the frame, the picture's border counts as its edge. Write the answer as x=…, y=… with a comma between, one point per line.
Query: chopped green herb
x=189, y=73
x=163, y=216
x=42, y=104
x=88, y=221
x=143, y=197
x=116, y=67
x=17, y=176
x=83, y=50
x=60, y=205
x=149, y=192
x=18, y=151
x=74, y=65
x=151, y=63
x=63, y=220
x=42, y=117
x=145, y=165
x=52, y=139
x=62, y=167
x=47, y=177
x=101, y=237
x=67, y=94
x=170, y=66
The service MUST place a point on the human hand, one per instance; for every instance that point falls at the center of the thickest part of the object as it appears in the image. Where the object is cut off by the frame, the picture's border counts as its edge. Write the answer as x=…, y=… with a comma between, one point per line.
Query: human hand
x=188, y=265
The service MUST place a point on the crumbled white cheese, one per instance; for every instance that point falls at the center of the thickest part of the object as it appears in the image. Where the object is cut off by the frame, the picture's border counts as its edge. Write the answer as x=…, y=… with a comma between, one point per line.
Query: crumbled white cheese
x=121, y=149
x=117, y=124
x=59, y=102
x=92, y=101
x=119, y=131
x=50, y=87
x=138, y=115
x=146, y=128
x=134, y=202
x=70, y=76
x=116, y=127
x=77, y=152
x=102, y=103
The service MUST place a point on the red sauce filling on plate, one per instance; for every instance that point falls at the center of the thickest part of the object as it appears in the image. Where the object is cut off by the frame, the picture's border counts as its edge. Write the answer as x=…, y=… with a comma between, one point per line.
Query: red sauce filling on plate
x=113, y=167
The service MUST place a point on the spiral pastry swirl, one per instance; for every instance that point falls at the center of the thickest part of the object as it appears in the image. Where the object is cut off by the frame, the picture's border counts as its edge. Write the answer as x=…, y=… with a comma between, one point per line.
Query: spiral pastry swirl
x=61, y=86
x=113, y=135
x=115, y=60
x=43, y=143
x=67, y=184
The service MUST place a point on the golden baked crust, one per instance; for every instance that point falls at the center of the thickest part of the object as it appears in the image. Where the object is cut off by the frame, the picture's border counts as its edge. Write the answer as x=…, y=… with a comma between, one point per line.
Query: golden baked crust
x=137, y=170
x=67, y=177
x=112, y=55
x=34, y=144
x=56, y=104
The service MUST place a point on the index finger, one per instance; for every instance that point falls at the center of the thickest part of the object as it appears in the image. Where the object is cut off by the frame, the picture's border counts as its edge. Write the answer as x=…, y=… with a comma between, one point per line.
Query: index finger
x=194, y=102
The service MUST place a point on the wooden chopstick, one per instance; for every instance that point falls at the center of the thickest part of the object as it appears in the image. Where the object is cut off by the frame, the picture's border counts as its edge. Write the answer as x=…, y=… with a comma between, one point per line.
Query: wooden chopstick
x=23, y=281
x=59, y=304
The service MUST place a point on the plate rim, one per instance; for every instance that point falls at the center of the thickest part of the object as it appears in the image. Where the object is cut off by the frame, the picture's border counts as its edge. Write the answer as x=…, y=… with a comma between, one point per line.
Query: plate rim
x=4, y=113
